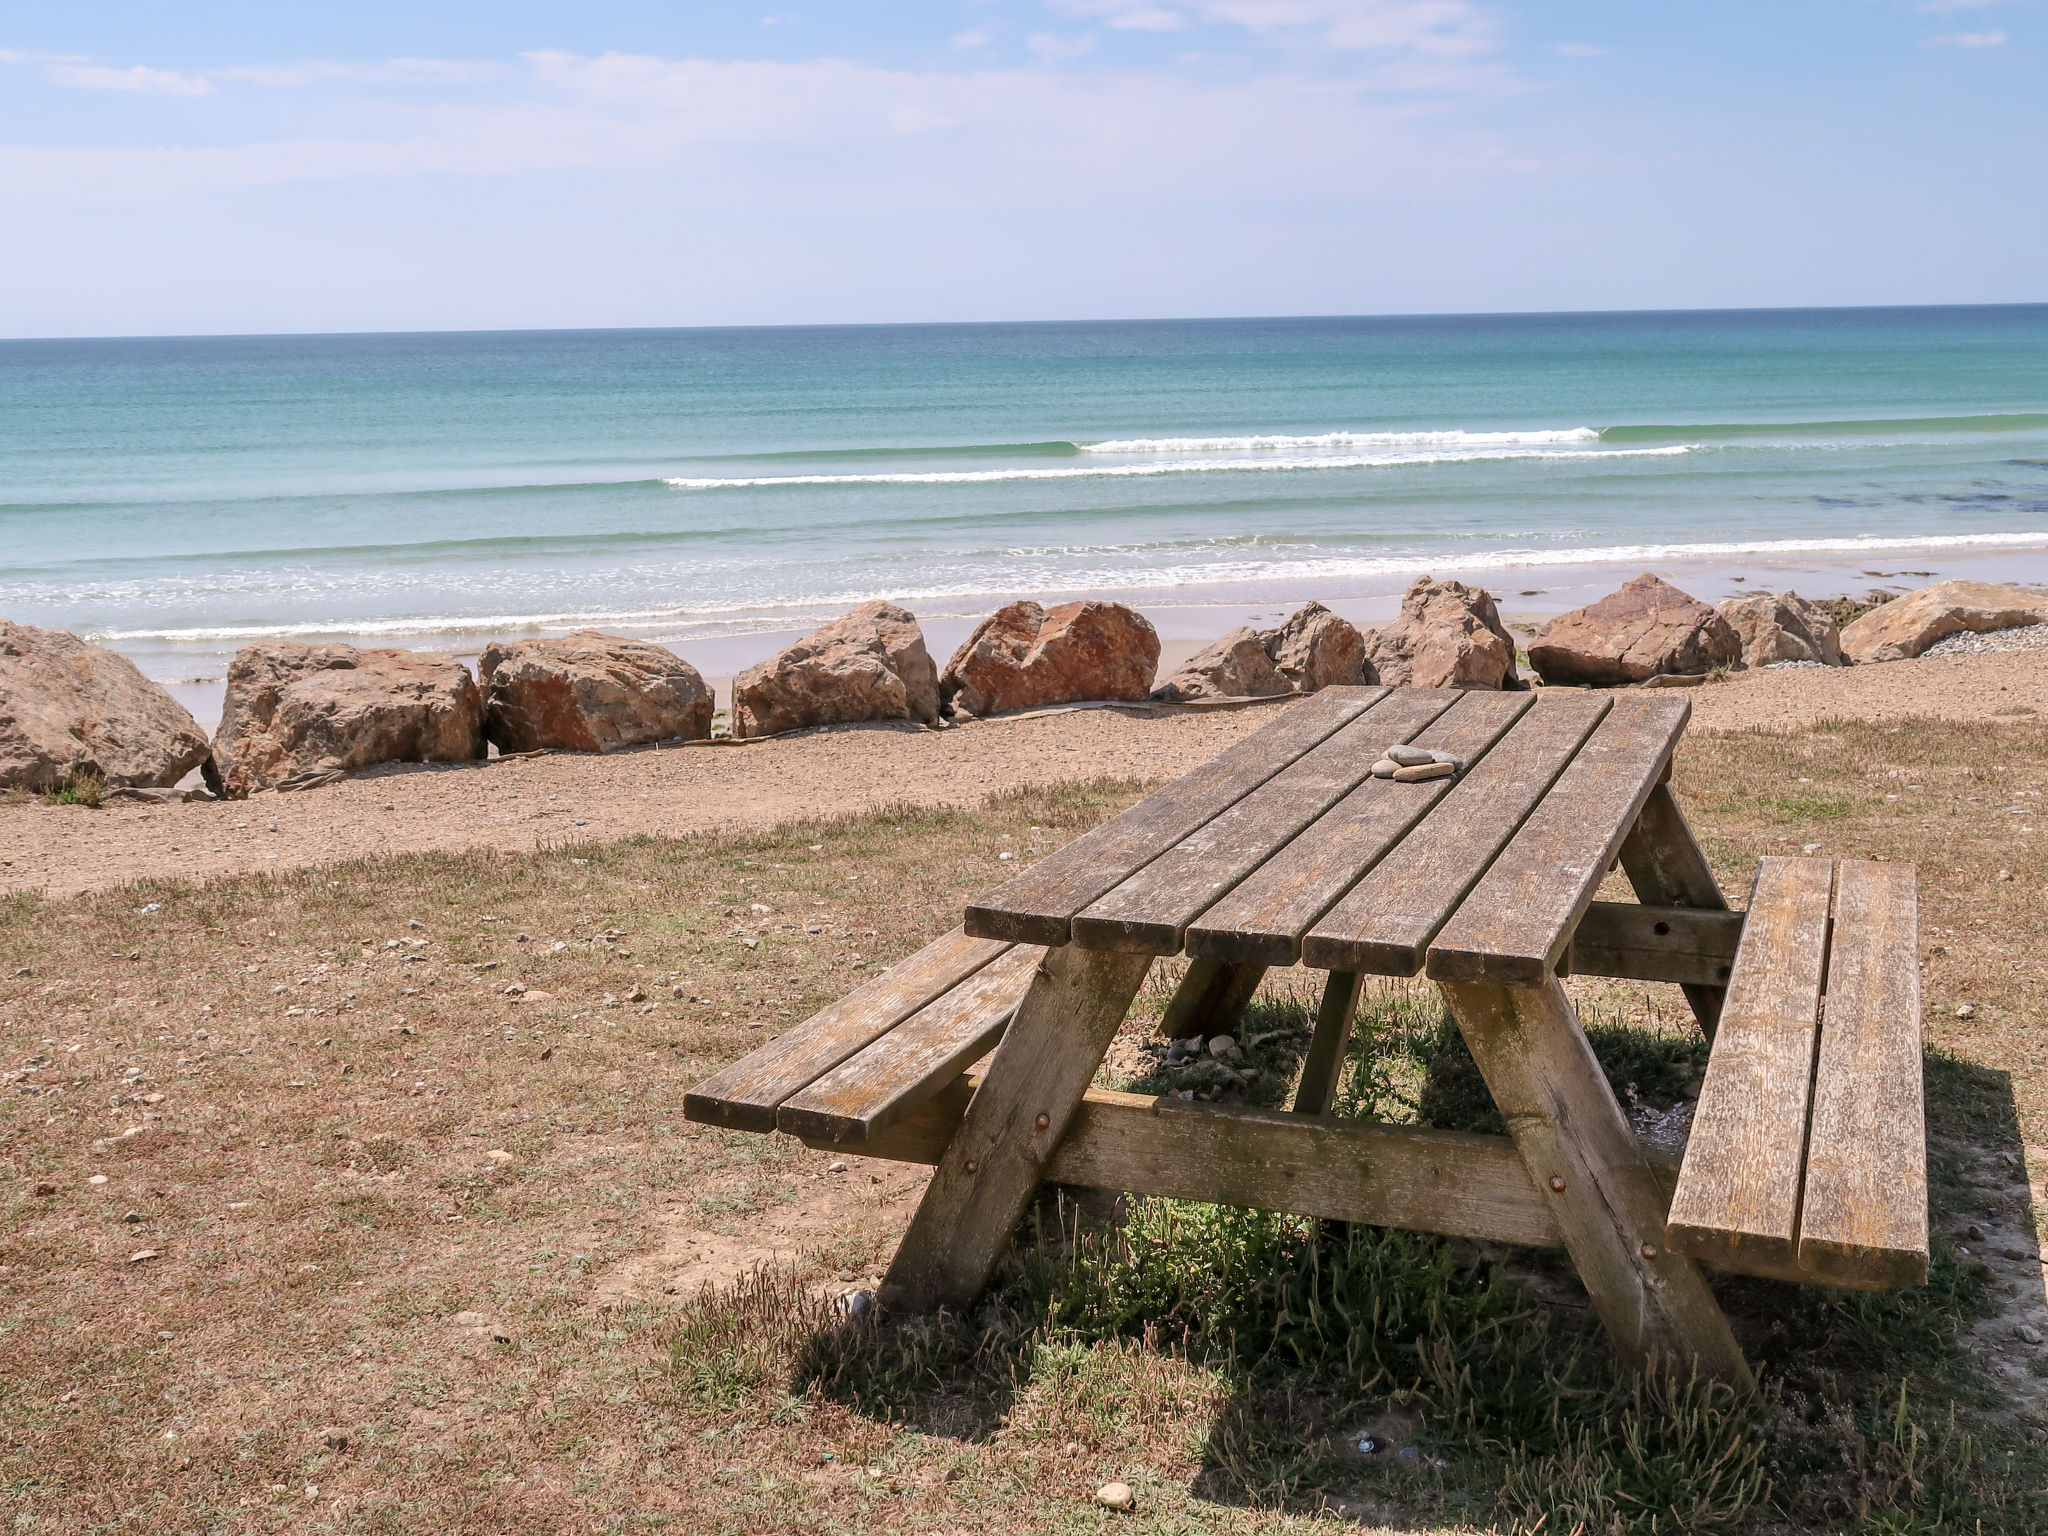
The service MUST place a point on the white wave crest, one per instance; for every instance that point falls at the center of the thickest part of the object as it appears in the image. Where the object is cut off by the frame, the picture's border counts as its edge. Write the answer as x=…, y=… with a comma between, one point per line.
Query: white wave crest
x=1139, y=471
x=1549, y=437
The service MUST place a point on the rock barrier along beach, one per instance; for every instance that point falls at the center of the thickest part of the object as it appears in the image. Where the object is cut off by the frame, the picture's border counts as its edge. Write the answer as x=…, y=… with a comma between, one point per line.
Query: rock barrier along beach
x=79, y=721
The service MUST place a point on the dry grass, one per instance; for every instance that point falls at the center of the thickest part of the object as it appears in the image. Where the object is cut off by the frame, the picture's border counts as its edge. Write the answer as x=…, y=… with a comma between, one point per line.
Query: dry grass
x=333, y=1239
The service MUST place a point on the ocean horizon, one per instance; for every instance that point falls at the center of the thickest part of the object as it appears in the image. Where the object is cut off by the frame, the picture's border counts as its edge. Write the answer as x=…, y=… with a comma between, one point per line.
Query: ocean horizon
x=718, y=489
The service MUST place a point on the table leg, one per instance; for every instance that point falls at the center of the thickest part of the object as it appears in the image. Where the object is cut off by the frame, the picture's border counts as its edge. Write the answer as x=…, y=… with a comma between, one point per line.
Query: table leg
x=1210, y=998
x=989, y=1170
x=1323, y=1070
x=1667, y=869
x=1582, y=1157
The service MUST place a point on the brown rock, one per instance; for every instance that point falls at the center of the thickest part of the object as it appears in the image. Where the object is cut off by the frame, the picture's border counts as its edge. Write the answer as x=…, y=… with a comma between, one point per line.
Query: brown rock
x=1647, y=629
x=293, y=707
x=1906, y=626
x=1023, y=656
x=1235, y=667
x=1783, y=626
x=589, y=692
x=1316, y=649
x=1448, y=635
x=870, y=664
x=69, y=708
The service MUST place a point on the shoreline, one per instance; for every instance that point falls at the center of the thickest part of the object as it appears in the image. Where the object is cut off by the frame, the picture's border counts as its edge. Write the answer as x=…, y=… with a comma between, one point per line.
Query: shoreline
x=1187, y=619
x=520, y=805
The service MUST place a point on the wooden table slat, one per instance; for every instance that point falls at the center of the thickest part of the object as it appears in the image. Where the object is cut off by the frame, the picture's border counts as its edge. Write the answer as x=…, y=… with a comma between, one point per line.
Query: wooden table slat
x=1262, y=920
x=1738, y=1193
x=1038, y=905
x=1514, y=926
x=1386, y=922
x=1864, y=1218
x=1146, y=912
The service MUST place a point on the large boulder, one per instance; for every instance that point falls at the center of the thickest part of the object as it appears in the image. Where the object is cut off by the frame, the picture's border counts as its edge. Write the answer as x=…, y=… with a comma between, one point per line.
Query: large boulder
x=1313, y=649
x=71, y=709
x=1235, y=667
x=1316, y=649
x=1906, y=626
x=293, y=707
x=1448, y=635
x=869, y=664
x=1783, y=626
x=1023, y=656
x=1647, y=629
x=589, y=692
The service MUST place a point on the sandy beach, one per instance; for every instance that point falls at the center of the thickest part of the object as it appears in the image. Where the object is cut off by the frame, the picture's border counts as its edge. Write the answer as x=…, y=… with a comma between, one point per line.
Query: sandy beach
x=524, y=803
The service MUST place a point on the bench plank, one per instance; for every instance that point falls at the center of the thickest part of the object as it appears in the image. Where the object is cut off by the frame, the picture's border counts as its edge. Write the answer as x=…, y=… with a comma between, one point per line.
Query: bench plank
x=1262, y=921
x=1513, y=928
x=1864, y=1222
x=1738, y=1192
x=876, y=1086
x=1037, y=906
x=746, y=1094
x=1146, y=913
x=1386, y=922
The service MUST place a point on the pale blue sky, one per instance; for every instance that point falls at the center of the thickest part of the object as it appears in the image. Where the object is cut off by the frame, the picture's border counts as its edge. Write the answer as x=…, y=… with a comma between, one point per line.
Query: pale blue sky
x=267, y=167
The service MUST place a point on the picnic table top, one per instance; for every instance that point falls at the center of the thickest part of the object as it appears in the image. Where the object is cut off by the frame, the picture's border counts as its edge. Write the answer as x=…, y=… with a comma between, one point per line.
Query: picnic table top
x=1284, y=849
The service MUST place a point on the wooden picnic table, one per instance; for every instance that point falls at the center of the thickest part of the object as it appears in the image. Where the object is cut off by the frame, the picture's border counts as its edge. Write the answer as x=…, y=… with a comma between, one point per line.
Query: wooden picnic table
x=1286, y=850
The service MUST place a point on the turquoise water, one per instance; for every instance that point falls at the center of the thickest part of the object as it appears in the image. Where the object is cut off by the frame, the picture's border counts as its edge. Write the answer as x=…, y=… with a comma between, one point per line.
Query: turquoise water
x=177, y=497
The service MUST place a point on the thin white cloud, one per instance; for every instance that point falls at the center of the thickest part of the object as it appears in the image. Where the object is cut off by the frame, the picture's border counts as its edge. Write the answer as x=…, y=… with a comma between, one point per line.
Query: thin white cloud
x=1442, y=27
x=1053, y=46
x=1582, y=50
x=974, y=39
x=1993, y=39
x=381, y=72
x=138, y=77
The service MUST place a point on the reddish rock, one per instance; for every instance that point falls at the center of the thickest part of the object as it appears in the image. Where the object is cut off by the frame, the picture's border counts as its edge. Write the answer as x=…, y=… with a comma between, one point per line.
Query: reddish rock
x=1236, y=667
x=1316, y=649
x=1783, y=626
x=1647, y=629
x=1906, y=626
x=589, y=692
x=72, y=709
x=1448, y=635
x=293, y=707
x=869, y=664
x=1023, y=656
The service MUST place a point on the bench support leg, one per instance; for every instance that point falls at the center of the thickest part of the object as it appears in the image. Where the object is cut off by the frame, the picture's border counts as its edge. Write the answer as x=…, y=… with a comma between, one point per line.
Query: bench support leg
x=1583, y=1159
x=991, y=1167
x=1322, y=1073
x=1210, y=998
x=1667, y=869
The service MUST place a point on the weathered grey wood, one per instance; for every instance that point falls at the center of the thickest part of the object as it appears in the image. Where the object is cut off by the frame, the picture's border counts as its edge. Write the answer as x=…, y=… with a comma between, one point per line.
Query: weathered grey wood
x=875, y=1087
x=1386, y=922
x=1037, y=906
x=1210, y=999
x=1738, y=1193
x=1146, y=912
x=1322, y=1070
x=746, y=1094
x=1585, y=1162
x=1512, y=928
x=1263, y=918
x=1640, y=943
x=1864, y=1221
x=995, y=1160
x=1666, y=868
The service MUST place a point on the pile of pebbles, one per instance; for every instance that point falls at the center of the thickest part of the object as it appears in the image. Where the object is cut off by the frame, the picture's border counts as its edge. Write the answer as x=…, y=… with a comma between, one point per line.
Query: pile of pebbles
x=2023, y=637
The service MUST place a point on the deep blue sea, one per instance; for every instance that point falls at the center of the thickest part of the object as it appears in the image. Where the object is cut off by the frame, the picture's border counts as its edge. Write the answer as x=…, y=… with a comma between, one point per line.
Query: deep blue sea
x=175, y=497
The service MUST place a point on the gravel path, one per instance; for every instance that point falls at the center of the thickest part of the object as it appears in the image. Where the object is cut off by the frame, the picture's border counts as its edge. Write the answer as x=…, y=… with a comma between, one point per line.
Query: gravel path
x=532, y=802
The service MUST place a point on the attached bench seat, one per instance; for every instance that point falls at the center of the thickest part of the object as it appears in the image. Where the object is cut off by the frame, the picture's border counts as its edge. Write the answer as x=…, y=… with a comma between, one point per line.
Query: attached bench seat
x=863, y=1063
x=1808, y=1154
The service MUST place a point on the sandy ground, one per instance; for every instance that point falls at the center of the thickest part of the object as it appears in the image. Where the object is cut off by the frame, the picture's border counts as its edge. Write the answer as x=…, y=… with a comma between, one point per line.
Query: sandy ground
x=526, y=803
